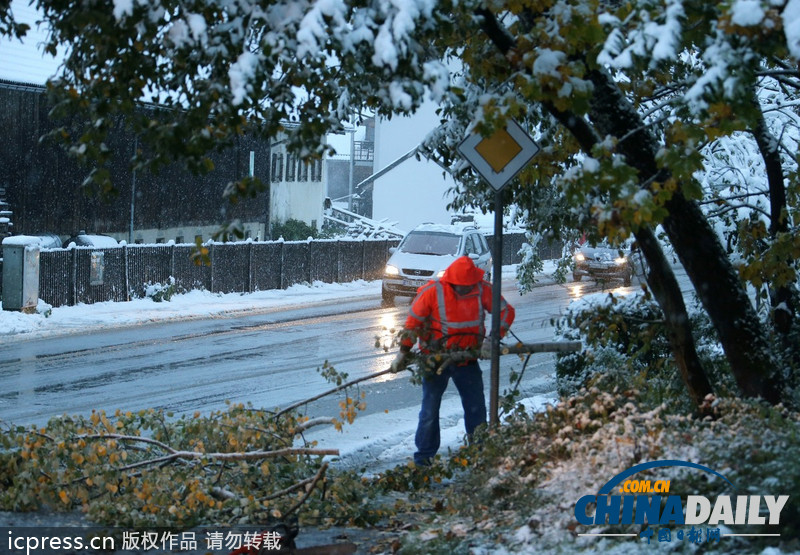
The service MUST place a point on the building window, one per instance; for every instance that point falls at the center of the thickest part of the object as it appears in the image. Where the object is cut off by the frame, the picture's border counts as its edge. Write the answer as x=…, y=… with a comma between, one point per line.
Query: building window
x=291, y=167
x=316, y=170
x=159, y=240
x=277, y=167
x=179, y=240
x=364, y=151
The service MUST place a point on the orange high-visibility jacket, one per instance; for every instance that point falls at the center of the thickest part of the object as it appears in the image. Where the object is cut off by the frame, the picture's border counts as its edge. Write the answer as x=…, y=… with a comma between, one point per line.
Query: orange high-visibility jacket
x=443, y=320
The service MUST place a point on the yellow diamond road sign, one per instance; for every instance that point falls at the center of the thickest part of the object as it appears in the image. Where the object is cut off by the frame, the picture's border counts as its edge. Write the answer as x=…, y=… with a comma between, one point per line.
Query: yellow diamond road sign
x=499, y=149
x=501, y=156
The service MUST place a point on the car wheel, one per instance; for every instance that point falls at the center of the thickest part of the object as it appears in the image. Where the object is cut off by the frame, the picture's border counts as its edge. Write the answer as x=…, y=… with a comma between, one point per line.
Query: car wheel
x=387, y=299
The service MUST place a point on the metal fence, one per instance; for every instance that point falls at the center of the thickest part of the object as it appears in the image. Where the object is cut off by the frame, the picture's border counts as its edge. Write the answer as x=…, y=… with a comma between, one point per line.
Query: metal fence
x=90, y=275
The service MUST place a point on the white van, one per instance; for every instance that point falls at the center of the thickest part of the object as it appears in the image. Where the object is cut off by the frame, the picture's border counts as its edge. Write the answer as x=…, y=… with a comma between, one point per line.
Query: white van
x=425, y=253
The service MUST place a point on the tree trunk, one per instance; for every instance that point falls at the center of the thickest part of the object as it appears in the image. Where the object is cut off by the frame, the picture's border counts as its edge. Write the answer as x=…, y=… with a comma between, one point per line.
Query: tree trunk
x=660, y=276
x=662, y=282
x=782, y=299
x=664, y=285
x=697, y=246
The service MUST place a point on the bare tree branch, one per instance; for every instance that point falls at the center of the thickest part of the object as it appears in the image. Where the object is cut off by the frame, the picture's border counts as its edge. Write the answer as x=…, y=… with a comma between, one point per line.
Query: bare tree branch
x=122, y=437
x=243, y=456
x=317, y=478
x=314, y=422
x=330, y=391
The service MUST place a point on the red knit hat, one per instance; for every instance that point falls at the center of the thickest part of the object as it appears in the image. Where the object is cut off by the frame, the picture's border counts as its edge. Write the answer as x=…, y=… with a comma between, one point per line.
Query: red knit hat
x=462, y=272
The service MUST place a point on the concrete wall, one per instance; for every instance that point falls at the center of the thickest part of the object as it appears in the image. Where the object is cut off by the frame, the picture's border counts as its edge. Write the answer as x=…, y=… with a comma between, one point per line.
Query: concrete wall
x=415, y=191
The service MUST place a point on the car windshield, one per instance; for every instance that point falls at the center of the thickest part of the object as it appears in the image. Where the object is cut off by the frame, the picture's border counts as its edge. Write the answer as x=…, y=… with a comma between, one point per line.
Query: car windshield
x=603, y=246
x=427, y=242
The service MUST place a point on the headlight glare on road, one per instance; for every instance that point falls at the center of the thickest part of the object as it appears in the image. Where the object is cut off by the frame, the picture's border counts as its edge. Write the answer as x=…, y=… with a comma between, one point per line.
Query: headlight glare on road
x=391, y=270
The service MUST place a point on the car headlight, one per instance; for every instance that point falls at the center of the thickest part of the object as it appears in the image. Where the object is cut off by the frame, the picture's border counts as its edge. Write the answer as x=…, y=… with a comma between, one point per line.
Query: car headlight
x=579, y=257
x=621, y=261
x=391, y=270
x=440, y=274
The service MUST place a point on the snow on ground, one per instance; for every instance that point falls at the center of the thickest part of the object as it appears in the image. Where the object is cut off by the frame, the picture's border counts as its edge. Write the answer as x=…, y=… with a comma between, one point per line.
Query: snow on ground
x=194, y=304
x=381, y=441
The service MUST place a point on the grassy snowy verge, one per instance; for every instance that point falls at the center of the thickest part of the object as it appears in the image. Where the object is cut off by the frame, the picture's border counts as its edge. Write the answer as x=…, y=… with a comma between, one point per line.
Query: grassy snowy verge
x=517, y=493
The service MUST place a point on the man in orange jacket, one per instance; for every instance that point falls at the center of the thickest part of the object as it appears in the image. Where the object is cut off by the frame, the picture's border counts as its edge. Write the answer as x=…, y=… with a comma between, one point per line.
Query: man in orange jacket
x=448, y=315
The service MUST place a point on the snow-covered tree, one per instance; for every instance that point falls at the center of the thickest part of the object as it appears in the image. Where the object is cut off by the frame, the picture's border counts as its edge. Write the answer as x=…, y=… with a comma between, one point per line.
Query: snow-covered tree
x=639, y=105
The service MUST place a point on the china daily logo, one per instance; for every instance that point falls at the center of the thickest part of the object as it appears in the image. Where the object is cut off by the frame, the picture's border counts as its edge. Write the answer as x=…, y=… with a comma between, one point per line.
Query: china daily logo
x=626, y=500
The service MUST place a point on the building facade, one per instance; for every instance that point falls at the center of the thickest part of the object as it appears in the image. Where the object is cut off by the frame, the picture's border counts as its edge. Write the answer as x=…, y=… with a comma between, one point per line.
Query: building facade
x=45, y=187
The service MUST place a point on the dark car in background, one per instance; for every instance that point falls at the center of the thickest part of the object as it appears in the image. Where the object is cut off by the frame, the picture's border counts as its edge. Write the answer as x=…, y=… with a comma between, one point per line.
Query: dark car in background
x=603, y=262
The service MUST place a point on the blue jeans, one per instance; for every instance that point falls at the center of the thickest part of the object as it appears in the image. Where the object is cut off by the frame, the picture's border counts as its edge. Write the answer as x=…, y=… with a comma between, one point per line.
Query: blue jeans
x=469, y=382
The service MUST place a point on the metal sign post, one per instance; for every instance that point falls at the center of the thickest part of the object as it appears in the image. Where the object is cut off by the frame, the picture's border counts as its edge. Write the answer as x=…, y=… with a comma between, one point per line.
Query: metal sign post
x=497, y=275
x=498, y=158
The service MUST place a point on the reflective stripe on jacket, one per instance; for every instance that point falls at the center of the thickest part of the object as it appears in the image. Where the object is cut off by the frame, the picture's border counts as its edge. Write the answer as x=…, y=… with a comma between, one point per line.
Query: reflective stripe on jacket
x=460, y=326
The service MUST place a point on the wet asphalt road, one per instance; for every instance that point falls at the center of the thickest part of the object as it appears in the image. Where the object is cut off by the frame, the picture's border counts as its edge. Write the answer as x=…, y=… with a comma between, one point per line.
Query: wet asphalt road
x=267, y=359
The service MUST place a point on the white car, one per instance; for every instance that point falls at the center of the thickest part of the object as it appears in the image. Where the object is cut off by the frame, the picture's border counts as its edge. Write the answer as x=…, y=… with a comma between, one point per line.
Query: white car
x=425, y=253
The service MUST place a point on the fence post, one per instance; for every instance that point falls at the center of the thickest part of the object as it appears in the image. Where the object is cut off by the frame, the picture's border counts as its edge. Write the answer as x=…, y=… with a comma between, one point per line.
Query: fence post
x=338, y=261
x=211, y=262
x=310, y=262
x=363, y=259
x=74, y=278
x=126, y=269
x=282, y=280
x=250, y=267
x=309, y=275
x=172, y=262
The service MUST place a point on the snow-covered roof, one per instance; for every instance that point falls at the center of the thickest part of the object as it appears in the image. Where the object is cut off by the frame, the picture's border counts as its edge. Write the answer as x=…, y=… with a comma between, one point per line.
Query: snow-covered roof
x=24, y=61
x=441, y=228
x=23, y=241
x=87, y=240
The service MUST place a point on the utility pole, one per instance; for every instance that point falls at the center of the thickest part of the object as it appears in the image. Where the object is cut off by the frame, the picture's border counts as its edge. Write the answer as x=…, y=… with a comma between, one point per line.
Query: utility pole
x=352, y=169
x=133, y=188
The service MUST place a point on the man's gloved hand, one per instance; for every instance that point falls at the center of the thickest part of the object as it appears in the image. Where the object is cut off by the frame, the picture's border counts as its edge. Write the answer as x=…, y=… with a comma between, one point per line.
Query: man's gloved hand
x=486, y=348
x=400, y=362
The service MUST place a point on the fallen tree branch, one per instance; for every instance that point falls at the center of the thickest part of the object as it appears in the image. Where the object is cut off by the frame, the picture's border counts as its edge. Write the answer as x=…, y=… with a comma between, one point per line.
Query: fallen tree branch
x=122, y=437
x=538, y=347
x=222, y=493
x=331, y=391
x=449, y=357
x=290, y=489
x=242, y=456
x=303, y=499
x=443, y=359
x=314, y=422
x=78, y=466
